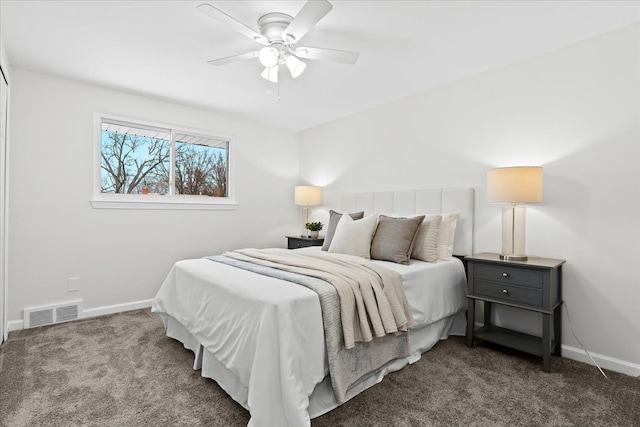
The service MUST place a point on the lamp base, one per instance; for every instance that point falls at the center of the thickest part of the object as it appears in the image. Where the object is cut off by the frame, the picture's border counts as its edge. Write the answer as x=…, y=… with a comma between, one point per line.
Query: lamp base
x=514, y=257
x=513, y=231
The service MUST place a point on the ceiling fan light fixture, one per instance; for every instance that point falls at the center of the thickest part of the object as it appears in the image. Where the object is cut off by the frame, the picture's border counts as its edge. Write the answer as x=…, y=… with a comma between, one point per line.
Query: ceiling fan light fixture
x=295, y=66
x=271, y=74
x=268, y=56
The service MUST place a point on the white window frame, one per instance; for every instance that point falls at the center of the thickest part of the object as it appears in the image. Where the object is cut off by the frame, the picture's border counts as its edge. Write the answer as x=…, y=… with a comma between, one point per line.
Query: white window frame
x=102, y=200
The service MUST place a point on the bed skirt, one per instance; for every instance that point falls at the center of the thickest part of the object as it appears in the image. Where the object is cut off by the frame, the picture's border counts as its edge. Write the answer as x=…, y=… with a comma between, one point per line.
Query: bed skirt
x=322, y=400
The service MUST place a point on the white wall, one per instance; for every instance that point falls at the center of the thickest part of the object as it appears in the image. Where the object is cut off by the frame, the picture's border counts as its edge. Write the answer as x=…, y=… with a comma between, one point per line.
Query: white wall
x=124, y=255
x=574, y=111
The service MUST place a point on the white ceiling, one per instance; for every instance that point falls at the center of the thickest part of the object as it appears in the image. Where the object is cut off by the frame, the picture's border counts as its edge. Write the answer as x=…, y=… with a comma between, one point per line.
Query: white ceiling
x=161, y=48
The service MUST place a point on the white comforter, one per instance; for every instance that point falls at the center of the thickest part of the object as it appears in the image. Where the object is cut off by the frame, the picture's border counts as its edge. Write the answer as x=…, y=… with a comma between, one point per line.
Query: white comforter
x=269, y=333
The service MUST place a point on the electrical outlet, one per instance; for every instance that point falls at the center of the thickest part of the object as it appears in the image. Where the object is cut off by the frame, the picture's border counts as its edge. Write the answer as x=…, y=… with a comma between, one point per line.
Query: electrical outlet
x=73, y=284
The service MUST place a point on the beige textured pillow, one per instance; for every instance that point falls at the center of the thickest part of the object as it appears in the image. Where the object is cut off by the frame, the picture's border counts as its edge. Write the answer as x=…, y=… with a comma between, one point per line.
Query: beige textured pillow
x=425, y=247
x=394, y=238
x=446, y=234
x=354, y=237
x=334, y=217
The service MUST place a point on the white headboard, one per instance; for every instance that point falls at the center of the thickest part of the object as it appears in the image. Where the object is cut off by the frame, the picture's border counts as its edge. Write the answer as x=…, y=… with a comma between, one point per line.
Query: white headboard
x=427, y=201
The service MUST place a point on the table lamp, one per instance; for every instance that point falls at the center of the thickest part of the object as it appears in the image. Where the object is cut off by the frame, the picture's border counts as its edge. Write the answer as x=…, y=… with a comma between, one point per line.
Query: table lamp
x=514, y=185
x=307, y=196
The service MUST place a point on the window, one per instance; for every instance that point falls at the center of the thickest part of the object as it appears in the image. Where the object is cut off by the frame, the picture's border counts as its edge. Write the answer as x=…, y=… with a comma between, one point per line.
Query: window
x=140, y=164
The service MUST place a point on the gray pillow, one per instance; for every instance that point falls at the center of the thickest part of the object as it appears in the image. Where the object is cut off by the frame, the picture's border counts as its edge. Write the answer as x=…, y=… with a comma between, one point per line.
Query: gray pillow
x=334, y=217
x=394, y=238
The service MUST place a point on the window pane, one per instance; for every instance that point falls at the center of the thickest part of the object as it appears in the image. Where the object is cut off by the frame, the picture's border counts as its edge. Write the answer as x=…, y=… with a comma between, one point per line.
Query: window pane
x=134, y=160
x=201, y=166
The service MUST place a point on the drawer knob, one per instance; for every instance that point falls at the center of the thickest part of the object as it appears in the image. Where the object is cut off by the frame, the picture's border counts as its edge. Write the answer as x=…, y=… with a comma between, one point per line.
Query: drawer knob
x=505, y=275
x=504, y=291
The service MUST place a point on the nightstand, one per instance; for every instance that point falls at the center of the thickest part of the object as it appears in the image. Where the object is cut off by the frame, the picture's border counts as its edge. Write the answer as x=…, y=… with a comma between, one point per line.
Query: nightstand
x=533, y=285
x=295, y=242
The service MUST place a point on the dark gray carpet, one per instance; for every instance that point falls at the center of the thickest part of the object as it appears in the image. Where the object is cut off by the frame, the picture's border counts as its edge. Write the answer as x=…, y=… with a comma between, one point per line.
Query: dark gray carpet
x=121, y=370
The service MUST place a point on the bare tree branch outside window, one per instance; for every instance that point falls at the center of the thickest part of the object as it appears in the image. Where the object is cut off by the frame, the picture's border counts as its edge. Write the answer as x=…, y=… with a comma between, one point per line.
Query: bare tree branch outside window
x=129, y=162
x=135, y=164
x=201, y=170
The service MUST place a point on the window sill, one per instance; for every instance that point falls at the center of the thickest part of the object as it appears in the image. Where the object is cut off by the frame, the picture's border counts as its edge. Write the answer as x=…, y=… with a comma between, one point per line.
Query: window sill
x=163, y=202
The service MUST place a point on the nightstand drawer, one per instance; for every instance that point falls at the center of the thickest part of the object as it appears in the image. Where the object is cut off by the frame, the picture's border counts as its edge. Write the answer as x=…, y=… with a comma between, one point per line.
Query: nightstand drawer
x=509, y=293
x=509, y=275
x=296, y=242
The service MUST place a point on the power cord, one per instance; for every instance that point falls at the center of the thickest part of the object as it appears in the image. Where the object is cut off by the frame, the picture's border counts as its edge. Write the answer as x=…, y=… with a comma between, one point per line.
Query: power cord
x=566, y=309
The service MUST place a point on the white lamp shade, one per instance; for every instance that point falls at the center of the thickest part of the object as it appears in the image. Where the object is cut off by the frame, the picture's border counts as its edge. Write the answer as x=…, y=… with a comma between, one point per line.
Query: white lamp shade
x=270, y=74
x=306, y=195
x=268, y=56
x=522, y=184
x=295, y=66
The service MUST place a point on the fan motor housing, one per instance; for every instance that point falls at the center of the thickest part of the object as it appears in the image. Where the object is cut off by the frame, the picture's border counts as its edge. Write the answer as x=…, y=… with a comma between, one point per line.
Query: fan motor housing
x=272, y=25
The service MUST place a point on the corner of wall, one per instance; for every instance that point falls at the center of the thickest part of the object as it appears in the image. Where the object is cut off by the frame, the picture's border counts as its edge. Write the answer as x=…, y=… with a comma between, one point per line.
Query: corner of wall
x=4, y=168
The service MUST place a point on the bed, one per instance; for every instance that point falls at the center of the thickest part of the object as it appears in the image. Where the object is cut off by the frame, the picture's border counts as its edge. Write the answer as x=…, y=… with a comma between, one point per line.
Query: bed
x=261, y=338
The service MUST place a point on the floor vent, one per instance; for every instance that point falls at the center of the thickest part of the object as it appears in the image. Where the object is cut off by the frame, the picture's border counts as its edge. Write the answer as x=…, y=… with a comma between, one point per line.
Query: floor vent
x=47, y=315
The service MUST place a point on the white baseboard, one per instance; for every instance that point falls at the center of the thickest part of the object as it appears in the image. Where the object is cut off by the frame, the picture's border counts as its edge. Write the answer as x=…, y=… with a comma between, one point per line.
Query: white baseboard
x=606, y=362
x=117, y=308
x=17, y=325
x=14, y=325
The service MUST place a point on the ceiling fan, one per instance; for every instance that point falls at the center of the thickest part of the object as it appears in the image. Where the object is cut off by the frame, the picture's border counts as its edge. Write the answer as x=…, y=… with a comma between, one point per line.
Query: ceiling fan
x=279, y=34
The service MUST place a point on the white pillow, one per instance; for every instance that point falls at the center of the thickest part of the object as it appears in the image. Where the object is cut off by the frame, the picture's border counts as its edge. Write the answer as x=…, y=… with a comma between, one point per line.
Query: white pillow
x=354, y=237
x=446, y=234
x=425, y=246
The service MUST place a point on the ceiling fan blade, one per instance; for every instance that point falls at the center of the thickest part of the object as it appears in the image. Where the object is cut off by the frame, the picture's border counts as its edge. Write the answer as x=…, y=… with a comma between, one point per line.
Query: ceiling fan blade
x=310, y=14
x=234, y=58
x=333, y=55
x=217, y=14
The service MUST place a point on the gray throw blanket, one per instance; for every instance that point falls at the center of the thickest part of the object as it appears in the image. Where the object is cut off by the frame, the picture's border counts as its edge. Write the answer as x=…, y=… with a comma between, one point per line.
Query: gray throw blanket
x=346, y=367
